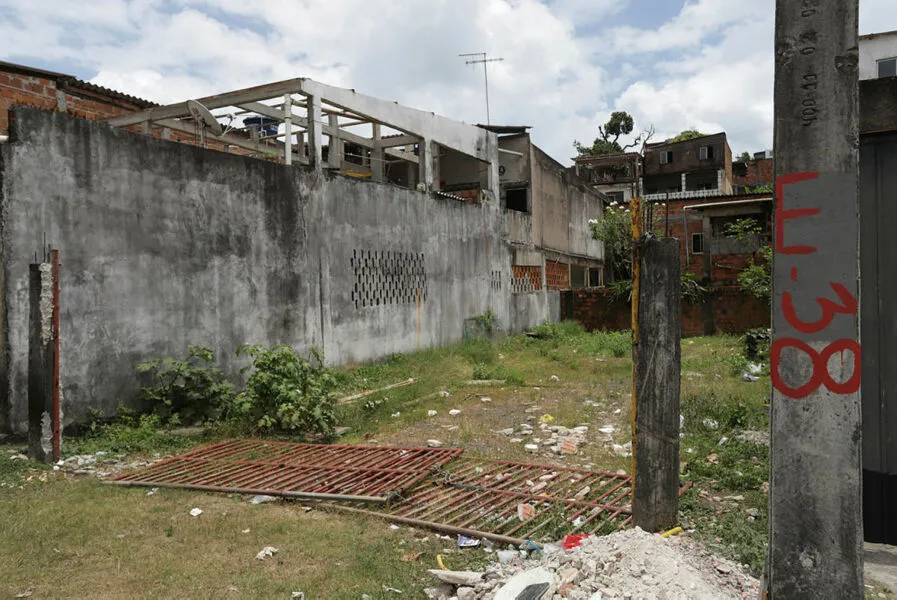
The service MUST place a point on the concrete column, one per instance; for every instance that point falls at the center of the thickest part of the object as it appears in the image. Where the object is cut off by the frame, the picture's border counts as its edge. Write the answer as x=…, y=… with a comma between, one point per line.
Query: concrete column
x=816, y=535
x=315, y=137
x=719, y=180
x=44, y=413
x=377, y=166
x=493, y=178
x=335, y=158
x=288, y=129
x=684, y=184
x=425, y=163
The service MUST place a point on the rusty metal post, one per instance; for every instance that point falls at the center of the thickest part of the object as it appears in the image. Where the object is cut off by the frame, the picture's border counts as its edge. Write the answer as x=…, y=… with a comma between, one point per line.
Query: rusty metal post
x=816, y=538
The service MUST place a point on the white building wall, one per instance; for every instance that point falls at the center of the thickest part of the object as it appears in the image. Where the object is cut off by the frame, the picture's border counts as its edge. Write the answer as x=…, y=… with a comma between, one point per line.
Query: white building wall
x=874, y=48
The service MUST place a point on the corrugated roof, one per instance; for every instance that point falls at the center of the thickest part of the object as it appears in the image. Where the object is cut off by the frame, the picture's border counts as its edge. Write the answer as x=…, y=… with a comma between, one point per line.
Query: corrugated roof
x=71, y=81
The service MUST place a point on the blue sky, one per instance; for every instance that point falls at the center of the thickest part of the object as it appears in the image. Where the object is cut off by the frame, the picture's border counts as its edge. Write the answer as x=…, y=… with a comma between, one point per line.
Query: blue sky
x=673, y=64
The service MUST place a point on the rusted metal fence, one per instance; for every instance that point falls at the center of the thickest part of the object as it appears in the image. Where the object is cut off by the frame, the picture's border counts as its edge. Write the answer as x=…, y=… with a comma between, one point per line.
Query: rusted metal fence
x=356, y=473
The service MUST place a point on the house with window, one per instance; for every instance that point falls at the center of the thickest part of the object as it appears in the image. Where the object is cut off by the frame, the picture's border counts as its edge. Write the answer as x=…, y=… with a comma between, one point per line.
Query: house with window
x=614, y=175
x=878, y=55
x=692, y=168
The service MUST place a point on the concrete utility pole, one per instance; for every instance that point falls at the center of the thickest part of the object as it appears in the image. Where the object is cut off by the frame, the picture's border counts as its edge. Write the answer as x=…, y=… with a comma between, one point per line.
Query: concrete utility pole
x=485, y=59
x=816, y=536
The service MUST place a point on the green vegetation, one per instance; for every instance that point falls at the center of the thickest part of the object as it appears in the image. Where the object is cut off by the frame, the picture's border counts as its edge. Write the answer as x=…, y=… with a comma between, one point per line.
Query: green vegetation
x=186, y=391
x=286, y=391
x=688, y=134
x=619, y=124
x=756, y=278
x=559, y=369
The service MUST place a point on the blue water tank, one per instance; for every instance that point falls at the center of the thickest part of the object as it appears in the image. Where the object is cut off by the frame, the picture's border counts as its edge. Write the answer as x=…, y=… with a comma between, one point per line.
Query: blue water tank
x=267, y=124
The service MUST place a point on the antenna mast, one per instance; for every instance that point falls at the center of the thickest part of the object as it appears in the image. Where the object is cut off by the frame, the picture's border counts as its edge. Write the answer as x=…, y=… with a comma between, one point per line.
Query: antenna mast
x=484, y=59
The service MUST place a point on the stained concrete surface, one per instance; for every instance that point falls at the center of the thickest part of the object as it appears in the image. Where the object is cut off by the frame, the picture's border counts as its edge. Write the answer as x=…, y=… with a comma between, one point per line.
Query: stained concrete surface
x=880, y=565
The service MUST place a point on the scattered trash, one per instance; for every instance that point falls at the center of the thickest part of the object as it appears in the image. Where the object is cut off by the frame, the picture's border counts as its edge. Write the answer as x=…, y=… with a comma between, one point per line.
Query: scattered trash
x=485, y=399
x=618, y=411
x=525, y=511
x=554, y=378
x=607, y=429
x=671, y=532
x=711, y=424
x=754, y=368
x=394, y=527
x=454, y=412
x=467, y=542
x=262, y=499
x=546, y=418
x=396, y=414
x=266, y=552
x=386, y=588
x=470, y=578
x=713, y=459
x=722, y=441
x=26, y=594
x=444, y=394
x=747, y=377
x=152, y=492
x=573, y=540
x=681, y=422
x=432, y=413
x=247, y=530
x=434, y=444
x=297, y=596
x=195, y=512
x=233, y=588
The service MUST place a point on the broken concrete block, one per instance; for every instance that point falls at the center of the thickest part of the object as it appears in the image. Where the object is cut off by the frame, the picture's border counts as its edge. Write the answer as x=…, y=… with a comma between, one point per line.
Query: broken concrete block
x=468, y=578
x=531, y=448
x=434, y=444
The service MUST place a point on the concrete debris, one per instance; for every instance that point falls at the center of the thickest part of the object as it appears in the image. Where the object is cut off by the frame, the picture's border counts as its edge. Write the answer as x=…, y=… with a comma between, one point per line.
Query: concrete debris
x=711, y=424
x=625, y=565
x=754, y=437
x=454, y=412
x=386, y=588
x=607, y=429
x=432, y=413
x=297, y=596
x=266, y=552
x=508, y=432
x=554, y=378
x=195, y=512
x=532, y=448
x=26, y=594
x=444, y=394
x=754, y=368
x=485, y=399
x=434, y=444
x=463, y=578
x=396, y=414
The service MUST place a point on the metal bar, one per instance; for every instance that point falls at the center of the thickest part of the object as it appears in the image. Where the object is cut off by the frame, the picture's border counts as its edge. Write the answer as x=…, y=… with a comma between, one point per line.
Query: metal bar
x=213, y=488
x=502, y=539
x=57, y=408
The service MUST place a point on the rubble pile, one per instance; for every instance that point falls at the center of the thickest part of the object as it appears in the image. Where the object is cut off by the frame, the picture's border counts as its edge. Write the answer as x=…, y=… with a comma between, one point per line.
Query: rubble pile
x=626, y=565
x=548, y=439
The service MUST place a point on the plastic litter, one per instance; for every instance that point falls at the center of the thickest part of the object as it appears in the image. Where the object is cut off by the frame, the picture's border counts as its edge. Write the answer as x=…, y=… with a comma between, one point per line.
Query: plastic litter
x=195, y=512
x=432, y=413
x=540, y=579
x=454, y=412
x=573, y=540
x=262, y=499
x=546, y=418
x=467, y=542
x=748, y=378
x=386, y=588
x=671, y=532
x=266, y=552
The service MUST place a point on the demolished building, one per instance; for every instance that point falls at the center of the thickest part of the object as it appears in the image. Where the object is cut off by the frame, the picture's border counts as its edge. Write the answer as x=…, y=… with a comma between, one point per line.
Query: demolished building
x=392, y=236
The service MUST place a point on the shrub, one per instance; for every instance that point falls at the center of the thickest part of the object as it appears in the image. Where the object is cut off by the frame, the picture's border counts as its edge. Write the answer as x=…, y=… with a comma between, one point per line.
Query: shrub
x=497, y=372
x=127, y=432
x=756, y=343
x=287, y=391
x=186, y=391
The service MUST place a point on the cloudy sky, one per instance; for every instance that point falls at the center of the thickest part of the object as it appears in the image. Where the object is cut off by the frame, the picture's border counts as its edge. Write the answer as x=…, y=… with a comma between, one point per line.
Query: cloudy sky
x=704, y=64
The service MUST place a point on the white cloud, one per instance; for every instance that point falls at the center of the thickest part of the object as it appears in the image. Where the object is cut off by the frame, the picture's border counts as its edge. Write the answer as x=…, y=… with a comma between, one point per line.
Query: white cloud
x=710, y=66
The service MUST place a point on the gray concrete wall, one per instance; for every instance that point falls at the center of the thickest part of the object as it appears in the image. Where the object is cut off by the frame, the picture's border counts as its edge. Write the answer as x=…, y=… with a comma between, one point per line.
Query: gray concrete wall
x=164, y=245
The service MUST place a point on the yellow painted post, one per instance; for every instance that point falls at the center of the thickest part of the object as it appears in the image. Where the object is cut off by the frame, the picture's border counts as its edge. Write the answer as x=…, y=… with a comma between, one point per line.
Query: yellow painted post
x=637, y=224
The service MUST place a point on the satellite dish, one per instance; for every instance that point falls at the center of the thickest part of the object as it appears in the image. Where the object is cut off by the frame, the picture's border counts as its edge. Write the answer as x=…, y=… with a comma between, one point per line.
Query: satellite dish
x=202, y=115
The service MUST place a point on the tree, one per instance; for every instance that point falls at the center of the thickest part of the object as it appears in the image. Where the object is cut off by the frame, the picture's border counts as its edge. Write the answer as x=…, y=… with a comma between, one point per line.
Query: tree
x=688, y=134
x=608, y=141
x=745, y=157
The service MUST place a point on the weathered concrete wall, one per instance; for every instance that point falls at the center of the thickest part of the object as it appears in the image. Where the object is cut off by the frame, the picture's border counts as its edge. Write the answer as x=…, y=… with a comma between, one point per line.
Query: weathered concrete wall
x=562, y=207
x=164, y=245
x=874, y=48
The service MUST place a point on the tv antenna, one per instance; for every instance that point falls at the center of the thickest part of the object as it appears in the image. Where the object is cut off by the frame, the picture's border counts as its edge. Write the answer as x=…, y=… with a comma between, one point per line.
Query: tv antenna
x=484, y=58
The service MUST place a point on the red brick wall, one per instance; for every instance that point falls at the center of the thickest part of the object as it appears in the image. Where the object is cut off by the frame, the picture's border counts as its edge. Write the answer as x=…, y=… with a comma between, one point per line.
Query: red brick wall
x=759, y=172
x=557, y=275
x=33, y=90
x=532, y=275
x=734, y=312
